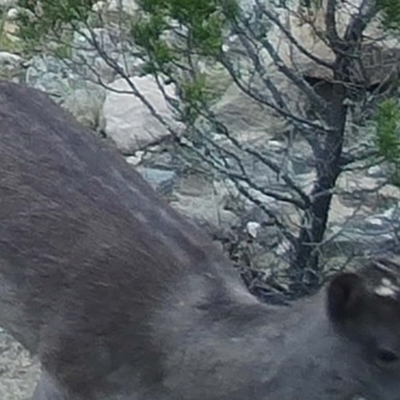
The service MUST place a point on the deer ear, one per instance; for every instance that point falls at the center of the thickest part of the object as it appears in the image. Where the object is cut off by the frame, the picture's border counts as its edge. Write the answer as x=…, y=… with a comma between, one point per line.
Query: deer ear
x=346, y=297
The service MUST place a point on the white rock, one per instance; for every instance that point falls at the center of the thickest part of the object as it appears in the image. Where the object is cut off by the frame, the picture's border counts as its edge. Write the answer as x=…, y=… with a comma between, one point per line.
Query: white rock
x=99, y=6
x=249, y=118
x=5, y=4
x=252, y=228
x=128, y=121
x=136, y=159
x=10, y=62
x=127, y=6
x=12, y=14
x=85, y=104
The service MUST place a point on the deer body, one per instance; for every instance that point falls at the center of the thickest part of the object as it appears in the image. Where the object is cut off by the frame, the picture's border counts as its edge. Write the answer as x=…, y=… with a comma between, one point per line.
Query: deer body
x=123, y=299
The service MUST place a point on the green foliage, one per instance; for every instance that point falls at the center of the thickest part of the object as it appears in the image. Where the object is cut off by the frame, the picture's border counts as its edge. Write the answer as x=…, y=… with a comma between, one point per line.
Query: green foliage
x=387, y=117
x=147, y=34
x=189, y=12
x=388, y=113
x=50, y=27
x=311, y=4
x=194, y=94
x=6, y=42
x=204, y=21
x=390, y=11
x=50, y=17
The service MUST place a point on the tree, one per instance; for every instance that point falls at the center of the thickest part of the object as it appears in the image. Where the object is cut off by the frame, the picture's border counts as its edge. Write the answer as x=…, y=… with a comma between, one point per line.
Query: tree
x=176, y=38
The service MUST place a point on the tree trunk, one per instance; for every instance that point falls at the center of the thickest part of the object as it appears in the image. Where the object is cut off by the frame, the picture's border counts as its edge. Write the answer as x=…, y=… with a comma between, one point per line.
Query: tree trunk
x=305, y=264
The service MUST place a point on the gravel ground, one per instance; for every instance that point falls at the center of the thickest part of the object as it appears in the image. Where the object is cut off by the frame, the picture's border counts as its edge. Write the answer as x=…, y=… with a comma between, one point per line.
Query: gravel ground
x=18, y=371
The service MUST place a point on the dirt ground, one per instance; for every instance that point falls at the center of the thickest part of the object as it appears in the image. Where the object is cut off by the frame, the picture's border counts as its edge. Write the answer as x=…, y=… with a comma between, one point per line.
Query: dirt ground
x=18, y=371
